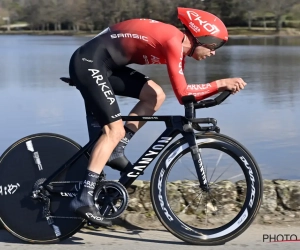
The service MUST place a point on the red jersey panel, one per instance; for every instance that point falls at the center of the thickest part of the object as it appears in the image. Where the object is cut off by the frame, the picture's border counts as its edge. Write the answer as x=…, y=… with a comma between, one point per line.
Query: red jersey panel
x=146, y=41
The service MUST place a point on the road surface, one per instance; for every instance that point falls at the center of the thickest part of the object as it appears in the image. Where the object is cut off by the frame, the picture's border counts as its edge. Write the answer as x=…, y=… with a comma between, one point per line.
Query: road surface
x=124, y=239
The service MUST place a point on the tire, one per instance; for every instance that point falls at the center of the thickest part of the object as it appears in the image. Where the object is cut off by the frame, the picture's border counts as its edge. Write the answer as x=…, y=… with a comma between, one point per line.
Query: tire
x=239, y=203
x=20, y=214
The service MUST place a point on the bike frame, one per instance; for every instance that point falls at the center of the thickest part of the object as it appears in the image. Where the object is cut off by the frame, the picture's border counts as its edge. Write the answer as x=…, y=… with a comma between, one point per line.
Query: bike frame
x=174, y=125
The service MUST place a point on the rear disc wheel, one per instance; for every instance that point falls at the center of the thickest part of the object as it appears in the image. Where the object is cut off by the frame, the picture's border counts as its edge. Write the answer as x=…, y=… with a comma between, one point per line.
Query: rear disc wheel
x=28, y=162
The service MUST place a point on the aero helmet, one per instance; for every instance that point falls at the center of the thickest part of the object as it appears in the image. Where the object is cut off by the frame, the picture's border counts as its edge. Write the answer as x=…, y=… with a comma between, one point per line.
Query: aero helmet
x=207, y=29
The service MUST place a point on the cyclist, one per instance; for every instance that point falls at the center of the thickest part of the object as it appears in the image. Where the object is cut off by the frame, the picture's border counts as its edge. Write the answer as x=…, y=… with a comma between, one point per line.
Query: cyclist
x=99, y=71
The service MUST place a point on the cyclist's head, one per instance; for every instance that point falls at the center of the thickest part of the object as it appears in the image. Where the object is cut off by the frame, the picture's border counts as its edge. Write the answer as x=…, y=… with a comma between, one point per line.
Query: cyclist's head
x=207, y=29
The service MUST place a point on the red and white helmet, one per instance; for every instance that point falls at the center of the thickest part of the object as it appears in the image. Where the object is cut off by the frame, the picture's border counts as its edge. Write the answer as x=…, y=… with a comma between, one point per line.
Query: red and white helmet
x=208, y=30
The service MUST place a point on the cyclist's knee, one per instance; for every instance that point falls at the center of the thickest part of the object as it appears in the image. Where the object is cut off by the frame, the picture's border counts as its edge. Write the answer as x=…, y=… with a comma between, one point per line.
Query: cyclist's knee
x=153, y=94
x=114, y=131
x=161, y=96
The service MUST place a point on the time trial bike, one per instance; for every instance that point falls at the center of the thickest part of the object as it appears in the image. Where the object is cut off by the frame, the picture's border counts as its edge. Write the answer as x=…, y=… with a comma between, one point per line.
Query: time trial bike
x=205, y=188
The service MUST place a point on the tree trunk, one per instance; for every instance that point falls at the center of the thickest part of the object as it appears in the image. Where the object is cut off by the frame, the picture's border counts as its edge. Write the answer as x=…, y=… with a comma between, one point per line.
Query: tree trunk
x=249, y=21
x=92, y=27
x=278, y=23
x=8, y=24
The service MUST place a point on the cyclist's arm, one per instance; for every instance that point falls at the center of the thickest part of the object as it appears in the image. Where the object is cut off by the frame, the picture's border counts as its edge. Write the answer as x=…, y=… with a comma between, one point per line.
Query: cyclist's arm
x=173, y=54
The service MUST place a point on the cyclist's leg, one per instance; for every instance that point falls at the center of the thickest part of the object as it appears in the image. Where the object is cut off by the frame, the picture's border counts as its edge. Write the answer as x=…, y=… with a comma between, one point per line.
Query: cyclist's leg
x=130, y=83
x=151, y=98
x=90, y=77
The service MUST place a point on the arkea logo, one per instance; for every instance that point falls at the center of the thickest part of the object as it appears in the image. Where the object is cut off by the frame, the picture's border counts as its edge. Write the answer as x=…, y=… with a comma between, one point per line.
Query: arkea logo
x=104, y=87
x=280, y=238
x=194, y=27
x=89, y=184
x=199, y=86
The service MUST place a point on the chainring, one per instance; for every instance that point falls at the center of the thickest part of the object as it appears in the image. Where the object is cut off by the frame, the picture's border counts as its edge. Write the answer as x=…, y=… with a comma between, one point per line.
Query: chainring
x=111, y=198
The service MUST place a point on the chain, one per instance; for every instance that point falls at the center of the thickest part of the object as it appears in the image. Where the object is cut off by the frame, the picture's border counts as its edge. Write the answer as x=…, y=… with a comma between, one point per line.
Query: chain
x=62, y=217
x=70, y=182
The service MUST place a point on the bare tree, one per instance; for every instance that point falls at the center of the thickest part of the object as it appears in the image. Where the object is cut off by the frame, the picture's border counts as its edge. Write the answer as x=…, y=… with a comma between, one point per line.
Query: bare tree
x=31, y=6
x=58, y=13
x=11, y=9
x=279, y=9
x=94, y=14
x=250, y=7
x=295, y=12
x=75, y=13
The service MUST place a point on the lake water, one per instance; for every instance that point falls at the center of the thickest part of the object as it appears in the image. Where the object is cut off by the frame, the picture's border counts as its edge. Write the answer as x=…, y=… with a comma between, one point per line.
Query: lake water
x=264, y=117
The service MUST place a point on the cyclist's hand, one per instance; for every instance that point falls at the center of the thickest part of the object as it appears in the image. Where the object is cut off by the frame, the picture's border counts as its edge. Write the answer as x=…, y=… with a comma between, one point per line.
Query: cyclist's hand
x=232, y=84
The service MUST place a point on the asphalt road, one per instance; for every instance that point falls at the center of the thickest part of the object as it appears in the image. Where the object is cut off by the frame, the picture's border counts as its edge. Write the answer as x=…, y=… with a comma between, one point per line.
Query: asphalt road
x=159, y=239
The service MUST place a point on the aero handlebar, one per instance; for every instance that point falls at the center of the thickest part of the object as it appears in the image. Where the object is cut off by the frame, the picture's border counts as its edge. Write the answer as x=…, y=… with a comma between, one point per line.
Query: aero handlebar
x=212, y=102
x=190, y=106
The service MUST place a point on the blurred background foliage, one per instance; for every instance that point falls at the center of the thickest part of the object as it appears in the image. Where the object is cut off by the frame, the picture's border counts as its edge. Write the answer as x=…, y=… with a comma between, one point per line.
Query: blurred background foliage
x=95, y=15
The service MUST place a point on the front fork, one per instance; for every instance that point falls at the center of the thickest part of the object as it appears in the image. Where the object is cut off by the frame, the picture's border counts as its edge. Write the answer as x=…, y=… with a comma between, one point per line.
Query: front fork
x=197, y=159
x=190, y=114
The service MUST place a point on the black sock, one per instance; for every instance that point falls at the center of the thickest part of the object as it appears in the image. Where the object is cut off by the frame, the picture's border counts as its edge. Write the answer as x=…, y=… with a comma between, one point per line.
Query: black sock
x=85, y=196
x=119, y=149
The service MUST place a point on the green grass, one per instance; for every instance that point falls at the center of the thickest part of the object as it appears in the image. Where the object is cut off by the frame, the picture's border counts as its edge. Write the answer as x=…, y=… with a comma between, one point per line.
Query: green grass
x=260, y=31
